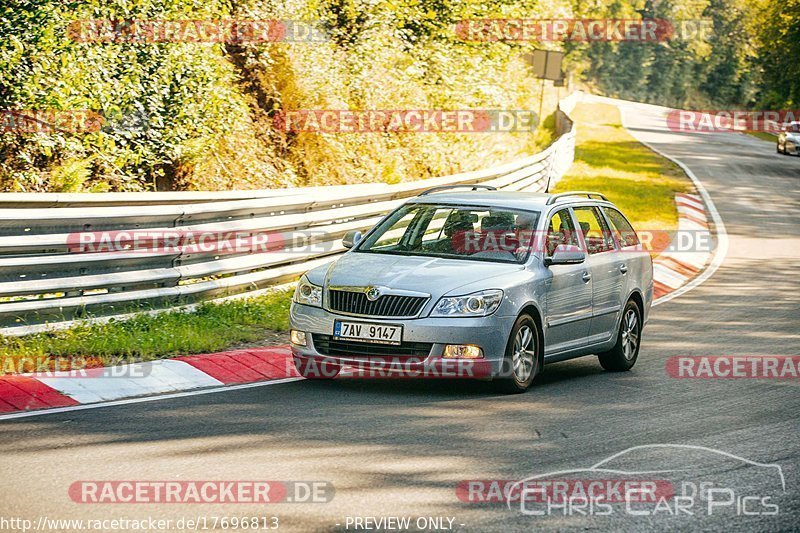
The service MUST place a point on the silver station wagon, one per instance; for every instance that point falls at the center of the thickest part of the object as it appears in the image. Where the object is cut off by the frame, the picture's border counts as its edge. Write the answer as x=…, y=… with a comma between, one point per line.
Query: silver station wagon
x=479, y=283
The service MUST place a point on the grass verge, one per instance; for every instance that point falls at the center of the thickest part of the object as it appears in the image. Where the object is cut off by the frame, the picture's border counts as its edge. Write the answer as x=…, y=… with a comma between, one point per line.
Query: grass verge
x=610, y=161
x=210, y=327
x=764, y=136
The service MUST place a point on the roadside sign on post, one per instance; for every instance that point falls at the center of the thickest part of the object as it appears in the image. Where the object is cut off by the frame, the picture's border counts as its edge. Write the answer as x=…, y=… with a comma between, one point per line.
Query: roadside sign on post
x=546, y=64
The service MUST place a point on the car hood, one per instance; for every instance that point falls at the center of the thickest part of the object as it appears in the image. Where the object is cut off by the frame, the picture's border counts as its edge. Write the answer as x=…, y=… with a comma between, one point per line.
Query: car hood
x=434, y=276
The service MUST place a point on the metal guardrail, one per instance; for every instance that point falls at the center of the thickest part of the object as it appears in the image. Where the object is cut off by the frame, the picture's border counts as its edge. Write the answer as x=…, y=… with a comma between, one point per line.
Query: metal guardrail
x=47, y=281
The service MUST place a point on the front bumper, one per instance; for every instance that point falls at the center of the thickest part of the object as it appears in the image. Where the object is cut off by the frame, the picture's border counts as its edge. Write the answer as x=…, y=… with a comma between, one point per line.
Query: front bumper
x=489, y=333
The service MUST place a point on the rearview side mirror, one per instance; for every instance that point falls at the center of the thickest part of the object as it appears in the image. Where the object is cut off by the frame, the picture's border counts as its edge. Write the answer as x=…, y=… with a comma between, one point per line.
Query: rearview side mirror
x=565, y=255
x=351, y=238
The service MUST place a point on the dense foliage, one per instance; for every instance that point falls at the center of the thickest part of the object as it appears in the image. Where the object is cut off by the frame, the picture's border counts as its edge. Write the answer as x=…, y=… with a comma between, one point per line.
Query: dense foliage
x=732, y=53
x=187, y=115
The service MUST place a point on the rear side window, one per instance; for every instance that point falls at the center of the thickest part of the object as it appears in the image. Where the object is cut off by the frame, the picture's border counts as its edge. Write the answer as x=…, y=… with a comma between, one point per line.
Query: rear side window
x=621, y=228
x=593, y=227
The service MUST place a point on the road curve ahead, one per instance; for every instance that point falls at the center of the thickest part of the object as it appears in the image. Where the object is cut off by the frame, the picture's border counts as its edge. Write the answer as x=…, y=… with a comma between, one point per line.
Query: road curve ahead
x=401, y=448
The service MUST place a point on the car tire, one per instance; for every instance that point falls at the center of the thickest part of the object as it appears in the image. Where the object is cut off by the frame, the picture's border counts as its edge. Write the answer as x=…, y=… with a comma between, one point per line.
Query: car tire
x=522, y=360
x=623, y=355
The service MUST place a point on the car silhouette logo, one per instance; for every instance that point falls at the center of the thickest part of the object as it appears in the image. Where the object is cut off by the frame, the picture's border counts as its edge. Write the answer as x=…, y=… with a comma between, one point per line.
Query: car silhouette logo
x=373, y=293
x=611, y=466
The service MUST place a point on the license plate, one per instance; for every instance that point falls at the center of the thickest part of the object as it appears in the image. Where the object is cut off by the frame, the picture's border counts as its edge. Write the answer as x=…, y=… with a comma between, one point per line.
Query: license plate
x=366, y=332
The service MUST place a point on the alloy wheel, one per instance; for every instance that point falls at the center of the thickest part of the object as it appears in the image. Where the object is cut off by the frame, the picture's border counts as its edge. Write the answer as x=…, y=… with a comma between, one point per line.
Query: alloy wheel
x=524, y=354
x=630, y=334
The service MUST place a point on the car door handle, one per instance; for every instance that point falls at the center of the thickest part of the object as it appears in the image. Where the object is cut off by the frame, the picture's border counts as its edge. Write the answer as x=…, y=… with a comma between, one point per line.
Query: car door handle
x=586, y=277
x=623, y=268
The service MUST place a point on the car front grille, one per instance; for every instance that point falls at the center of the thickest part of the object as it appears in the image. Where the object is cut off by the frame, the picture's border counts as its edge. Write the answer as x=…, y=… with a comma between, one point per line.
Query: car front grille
x=356, y=303
x=328, y=345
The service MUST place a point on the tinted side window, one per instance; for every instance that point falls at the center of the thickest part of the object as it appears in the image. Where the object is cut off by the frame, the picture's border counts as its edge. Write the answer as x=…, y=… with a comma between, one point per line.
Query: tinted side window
x=595, y=232
x=560, y=231
x=621, y=227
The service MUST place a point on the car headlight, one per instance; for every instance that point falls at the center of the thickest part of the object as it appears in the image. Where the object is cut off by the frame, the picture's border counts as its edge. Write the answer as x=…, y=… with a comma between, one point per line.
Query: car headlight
x=481, y=303
x=307, y=293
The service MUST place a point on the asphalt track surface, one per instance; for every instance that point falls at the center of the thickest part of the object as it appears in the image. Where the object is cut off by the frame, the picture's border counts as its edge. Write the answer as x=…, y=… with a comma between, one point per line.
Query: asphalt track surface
x=400, y=448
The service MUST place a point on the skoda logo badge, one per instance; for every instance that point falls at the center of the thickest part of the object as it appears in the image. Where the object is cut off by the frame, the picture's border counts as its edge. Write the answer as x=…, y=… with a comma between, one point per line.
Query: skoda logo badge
x=373, y=293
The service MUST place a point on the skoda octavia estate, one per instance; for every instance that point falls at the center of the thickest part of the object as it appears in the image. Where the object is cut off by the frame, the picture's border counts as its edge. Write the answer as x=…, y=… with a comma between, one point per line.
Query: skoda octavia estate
x=492, y=283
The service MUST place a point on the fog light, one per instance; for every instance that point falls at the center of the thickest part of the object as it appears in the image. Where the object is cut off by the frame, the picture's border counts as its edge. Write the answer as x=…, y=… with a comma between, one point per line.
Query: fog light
x=463, y=351
x=297, y=337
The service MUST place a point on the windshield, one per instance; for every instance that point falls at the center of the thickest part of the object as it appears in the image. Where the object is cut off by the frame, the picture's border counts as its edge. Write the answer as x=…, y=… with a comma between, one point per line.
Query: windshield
x=793, y=127
x=455, y=232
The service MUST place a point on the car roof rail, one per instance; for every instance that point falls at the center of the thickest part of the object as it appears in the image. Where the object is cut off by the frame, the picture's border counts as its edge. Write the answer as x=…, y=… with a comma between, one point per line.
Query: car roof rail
x=474, y=187
x=589, y=194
